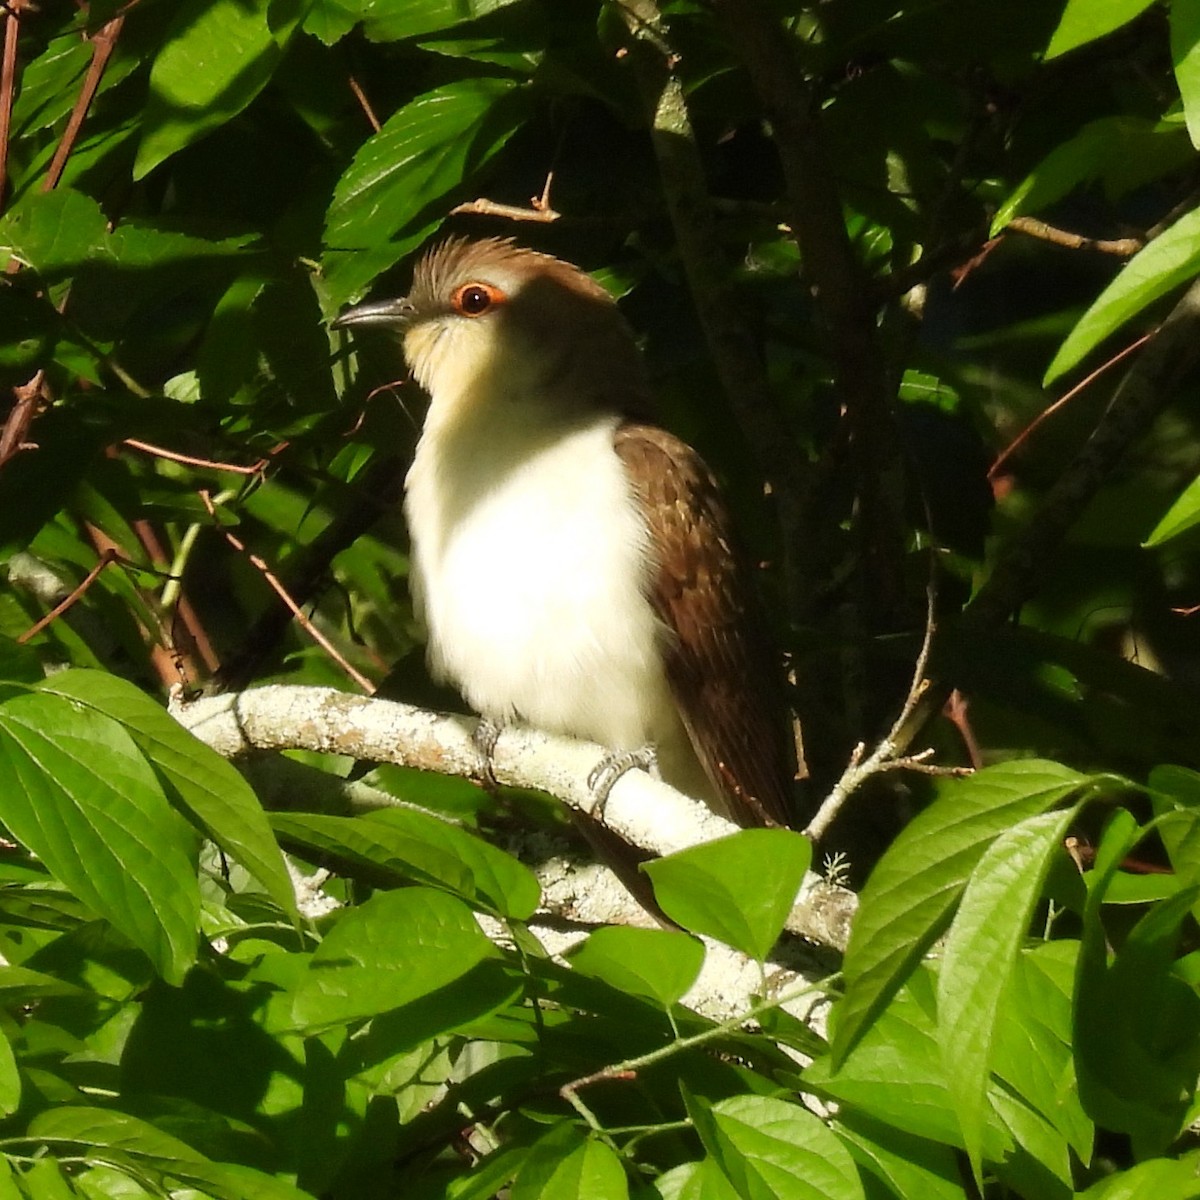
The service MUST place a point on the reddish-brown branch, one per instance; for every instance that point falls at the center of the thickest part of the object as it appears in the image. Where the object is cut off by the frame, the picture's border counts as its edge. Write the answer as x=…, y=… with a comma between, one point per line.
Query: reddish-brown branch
x=8, y=85
x=1032, y=227
x=365, y=104
x=20, y=417
x=108, y=556
x=1025, y=433
x=103, y=41
x=188, y=461
x=313, y=632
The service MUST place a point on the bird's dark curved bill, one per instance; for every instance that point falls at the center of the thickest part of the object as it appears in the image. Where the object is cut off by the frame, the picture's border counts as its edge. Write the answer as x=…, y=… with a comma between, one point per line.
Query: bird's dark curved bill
x=381, y=312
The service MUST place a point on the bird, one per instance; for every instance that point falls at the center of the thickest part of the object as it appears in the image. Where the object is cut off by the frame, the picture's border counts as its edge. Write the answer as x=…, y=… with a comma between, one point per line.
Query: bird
x=574, y=562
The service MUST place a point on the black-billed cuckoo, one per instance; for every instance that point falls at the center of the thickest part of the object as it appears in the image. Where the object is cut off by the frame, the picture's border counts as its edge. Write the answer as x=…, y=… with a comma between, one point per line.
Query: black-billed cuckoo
x=574, y=562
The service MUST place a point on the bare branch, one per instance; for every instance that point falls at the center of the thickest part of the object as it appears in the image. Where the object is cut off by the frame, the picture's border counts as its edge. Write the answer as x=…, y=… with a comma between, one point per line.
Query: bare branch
x=642, y=810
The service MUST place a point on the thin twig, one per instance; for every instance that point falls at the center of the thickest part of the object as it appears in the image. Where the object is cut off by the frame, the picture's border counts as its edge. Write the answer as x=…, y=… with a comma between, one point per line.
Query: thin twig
x=365, y=104
x=886, y=755
x=188, y=461
x=103, y=41
x=108, y=556
x=20, y=417
x=313, y=632
x=1021, y=437
x=628, y=1068
x=512, y=212
x=8, y=86
x=1032, y=227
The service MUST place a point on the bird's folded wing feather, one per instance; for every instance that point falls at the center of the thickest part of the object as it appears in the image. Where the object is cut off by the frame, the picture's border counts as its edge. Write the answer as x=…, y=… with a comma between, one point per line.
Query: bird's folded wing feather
x=721, y=673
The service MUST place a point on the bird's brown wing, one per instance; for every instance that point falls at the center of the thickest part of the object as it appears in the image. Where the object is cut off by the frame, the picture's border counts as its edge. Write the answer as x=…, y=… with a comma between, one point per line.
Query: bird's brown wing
x=721, y=672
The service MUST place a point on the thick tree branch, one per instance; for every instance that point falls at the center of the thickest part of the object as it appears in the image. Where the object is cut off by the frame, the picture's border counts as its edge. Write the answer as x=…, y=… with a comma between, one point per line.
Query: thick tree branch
x=643, y=811
x=735, y=355
x=841, y=295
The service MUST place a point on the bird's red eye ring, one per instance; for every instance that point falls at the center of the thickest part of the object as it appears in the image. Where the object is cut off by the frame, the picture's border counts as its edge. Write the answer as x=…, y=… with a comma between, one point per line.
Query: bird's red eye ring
x=474, y=299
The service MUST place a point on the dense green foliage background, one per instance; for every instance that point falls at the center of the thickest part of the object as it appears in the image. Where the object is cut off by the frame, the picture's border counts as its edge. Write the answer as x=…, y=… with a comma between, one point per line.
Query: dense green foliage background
x=926, y=272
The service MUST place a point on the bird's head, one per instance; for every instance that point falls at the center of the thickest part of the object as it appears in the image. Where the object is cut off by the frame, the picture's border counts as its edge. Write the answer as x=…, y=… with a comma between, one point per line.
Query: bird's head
x=490, y=317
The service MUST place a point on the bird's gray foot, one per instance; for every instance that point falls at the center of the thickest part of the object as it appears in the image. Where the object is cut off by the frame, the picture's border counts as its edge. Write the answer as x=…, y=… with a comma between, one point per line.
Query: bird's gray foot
x=484, y=740
x=604, y=775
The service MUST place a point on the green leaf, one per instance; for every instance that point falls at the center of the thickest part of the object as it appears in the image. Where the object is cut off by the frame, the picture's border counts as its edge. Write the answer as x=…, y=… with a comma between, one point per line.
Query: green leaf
x=1169, y=260
x=405, y=845
x=391, y=20
x=19, y=985
x=18, y=663
x=914, y=887
x=1032, y=1052
x=1086, y=20
x=1185, y=56
x=772, y=1150
x=396, y=947
x=1124, y=152
x=211, y=791
x=423, y=152
x=738, y=889
x=907, y=1165
x=895, y=1073
x=76, y=790
x=1160, y=1178
x=129, y=1138
x=566, y=1165
x=1135, y=1076
x=657, y=963
x=217, y=56
x=52, y=232
x=1184, y=514
x=980, y=956
x=10, y=1078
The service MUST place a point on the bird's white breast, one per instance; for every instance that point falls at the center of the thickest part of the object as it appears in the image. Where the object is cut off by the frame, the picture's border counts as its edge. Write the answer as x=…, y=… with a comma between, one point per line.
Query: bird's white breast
x=531, y=562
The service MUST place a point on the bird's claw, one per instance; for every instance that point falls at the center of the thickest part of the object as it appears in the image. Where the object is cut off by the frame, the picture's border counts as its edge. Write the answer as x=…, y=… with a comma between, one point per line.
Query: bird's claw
x=484, y=738
x=602, y=778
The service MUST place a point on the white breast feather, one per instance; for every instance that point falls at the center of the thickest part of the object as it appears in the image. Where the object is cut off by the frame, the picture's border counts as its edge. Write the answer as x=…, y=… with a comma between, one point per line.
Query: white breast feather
x=535, y=600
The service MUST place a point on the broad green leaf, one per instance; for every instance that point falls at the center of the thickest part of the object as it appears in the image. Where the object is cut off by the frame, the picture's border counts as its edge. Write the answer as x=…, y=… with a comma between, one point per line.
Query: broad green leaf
x=129, y=1138
x=1122, y=152
x=1185, y=55
x=331, y=20
x=772, y=1150
x=10, y=1078
x=895, y=1073
x=76, y=790
x=693, y=1181
x=396, y=947
x=1163, y=264
x=20, y=984
x=392, y=20
x=1032, y=1051
x=8, y=1184
x=217, y=56
x=1184, y=514
x=1041, y=1163
x=210, y=790
x=1160, y=1179
x=907, y=1165
x=52, y=232
x=431, y=146
x=406, y=845
x=1135, y=1076
x=18, y=663
x=738, y=889
x=914, y=887
x=1086, y=20
x=568, y=1165
x=657, y=963
x=980, y=957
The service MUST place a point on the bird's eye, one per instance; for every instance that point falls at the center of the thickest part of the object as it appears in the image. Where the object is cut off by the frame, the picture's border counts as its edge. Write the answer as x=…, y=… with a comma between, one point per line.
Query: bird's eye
x=474, y=299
